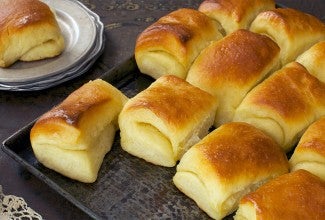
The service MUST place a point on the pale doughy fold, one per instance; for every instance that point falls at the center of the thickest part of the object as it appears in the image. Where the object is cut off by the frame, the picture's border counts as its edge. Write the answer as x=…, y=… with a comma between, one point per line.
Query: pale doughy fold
x=160, y=123
x=171, y=44
x=229, y=68
x=310, y=151
x=294, y=31
x=227, y=164
x=284, y=104
x=73, y=137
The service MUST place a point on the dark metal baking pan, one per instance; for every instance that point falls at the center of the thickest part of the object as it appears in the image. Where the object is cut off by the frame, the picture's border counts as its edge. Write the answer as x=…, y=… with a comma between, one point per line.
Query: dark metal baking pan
x=127, y=187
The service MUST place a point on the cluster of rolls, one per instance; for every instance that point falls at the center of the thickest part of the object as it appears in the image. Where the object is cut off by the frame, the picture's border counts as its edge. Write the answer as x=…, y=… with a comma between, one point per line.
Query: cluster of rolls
x=265, y=68
x=236, y=85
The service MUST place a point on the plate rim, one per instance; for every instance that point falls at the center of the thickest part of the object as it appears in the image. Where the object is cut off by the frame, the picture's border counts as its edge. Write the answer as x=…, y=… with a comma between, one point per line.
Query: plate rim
x=57, y=77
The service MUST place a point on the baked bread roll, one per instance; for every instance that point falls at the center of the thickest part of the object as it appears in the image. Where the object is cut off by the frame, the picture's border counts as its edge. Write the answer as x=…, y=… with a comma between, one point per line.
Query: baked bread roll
x=231, y=67
x=299, y=195
x=235, y=14
x=160, y=123
x=73, y=137
x=310, y=151
x=293, y=30
x=28, y=31
x=284, y=104
x=314, y=60
x=228, y=163
x=170, y=45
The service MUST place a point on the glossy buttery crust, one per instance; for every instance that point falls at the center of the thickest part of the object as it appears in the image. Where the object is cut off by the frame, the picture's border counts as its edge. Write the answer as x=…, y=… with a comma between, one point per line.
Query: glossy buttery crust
x=170, y=45
x=298, y=195
x=293, y=30
x=235, y=14
x=231, y=67
x=284, y=104
x=310, y=151
x=160, y=123
x=28, y=31
x=228, y=163
x=314, y=60
x=73, y=137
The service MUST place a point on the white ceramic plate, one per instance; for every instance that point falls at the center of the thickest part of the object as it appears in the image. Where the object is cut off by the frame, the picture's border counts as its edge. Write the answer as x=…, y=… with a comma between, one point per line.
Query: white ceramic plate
x=80, y=28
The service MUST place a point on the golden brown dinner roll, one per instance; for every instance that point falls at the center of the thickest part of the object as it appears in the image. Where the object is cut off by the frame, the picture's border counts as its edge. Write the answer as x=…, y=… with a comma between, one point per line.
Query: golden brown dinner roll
x=293, y=30
x=235, y=14
x=73, y=137
x=160, y=123
x=228, y=163
x=28, y=31
x=170, y=45
x=299, y=195
x=310, y=151
x=314, y=60
x=284, y=104
x=231, y=67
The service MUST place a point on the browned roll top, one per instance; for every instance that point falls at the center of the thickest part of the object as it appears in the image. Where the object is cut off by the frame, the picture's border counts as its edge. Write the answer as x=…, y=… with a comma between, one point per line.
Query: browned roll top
x=15, y=14
x=297, y=195
x=255, y=153
x=176, y=106
x=75, y=105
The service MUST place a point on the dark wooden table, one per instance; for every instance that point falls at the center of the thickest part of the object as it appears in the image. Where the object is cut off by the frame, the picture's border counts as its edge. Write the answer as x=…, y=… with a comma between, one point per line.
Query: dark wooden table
x=123, y=21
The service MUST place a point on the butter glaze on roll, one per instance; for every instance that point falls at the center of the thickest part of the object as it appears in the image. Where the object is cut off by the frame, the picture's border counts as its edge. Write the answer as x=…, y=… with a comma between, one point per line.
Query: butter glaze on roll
x=73, y=137
x=28, y=31
x=293, y=30
x=235, y=14
x=310, y=151
x=231, y=67
x=228, y=163
x=160, y=123
x=299, y=195
x=314, y=60
x=170, y=45
x=284, y=104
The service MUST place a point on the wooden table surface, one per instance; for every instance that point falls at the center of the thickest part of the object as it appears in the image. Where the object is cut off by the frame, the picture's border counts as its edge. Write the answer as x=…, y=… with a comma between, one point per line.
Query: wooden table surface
x=123, y=21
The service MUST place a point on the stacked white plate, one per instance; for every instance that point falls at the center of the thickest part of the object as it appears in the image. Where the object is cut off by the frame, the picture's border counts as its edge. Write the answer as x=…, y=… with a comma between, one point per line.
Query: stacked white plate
x=84, y=38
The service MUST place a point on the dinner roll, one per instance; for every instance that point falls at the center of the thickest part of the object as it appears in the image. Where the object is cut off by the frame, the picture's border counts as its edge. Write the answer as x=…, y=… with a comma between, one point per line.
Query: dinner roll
x=310, y=151
x=314, y=60
x=293, y=30
x=160, y=123
x=235, y=14
x=298, y=195
x=228, y=163
x=170, y=45
x=284, y=104
x=231, y=67
x=28, y=31
x=73, y=137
